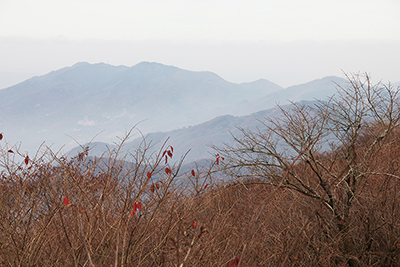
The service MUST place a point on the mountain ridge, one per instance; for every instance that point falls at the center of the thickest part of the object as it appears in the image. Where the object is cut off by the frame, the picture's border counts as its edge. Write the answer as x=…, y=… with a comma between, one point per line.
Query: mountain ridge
x=84, y=99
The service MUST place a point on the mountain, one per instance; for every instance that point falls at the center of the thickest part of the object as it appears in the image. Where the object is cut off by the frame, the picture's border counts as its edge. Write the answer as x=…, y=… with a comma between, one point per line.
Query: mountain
x=78, y=102
x=195, y=139
x=317, y=89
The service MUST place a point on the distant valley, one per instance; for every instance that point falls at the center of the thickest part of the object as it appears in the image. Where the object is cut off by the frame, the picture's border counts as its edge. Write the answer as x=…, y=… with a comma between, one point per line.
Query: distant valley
x=197, y=140
x=194, y=109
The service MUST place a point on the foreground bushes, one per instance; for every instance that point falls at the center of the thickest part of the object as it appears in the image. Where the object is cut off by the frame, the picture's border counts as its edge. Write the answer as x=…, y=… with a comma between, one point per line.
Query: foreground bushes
x=179, y=222
x=89, y=211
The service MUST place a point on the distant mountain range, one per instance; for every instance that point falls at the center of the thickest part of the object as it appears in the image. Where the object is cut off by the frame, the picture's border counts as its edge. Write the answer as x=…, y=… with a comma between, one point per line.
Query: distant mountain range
x=80, y=101
x=196, y=139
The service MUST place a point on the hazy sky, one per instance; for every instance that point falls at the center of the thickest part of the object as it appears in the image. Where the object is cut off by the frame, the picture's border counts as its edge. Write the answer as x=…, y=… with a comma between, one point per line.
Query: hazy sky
x=285, y=41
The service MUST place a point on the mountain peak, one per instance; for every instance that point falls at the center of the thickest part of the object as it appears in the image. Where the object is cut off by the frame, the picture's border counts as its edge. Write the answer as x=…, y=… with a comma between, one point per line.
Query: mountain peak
x=146, y=65
x=78, y=64
x=151, y=63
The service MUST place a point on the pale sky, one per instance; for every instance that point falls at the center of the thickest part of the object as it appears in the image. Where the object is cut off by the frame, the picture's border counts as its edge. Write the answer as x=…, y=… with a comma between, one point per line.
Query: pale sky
x=285, y=41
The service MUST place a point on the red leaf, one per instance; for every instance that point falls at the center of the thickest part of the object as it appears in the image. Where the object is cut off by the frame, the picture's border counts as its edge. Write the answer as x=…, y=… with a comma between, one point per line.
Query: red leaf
x=172, y=149
x=168, y=171
x=134, y=206
x=148, y=175
x=1, y=136
x=218, y=157
x=10, y=151
x=26, y=160
x=236, y=261
x=66, y=201
x=166, y=159
x=139, y=206
x=193, y=173
x=132, y=213
x=163, y=154
x=152, y=188
x=157, y=186
x=169, y=154
x=194, y=224
x=205, y=187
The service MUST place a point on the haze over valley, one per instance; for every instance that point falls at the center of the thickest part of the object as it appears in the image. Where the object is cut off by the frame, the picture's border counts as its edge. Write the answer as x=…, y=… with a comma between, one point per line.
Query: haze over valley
x=194, y=109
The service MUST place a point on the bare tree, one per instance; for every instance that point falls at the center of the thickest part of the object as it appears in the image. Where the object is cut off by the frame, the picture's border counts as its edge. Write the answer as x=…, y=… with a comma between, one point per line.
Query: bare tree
x=324, y=152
